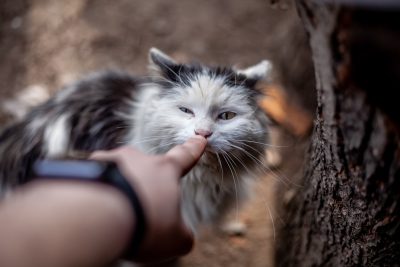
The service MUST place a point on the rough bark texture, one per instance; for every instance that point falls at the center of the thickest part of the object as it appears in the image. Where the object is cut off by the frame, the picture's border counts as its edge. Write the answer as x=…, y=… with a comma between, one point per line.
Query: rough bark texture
x=347, y=213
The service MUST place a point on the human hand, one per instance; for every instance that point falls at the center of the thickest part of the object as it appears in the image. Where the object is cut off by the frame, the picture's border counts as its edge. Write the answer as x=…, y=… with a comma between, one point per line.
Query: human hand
x=156, y=178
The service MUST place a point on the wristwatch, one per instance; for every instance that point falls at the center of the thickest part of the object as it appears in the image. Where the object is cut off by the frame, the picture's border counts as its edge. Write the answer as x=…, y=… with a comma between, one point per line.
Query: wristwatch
x=96, y=171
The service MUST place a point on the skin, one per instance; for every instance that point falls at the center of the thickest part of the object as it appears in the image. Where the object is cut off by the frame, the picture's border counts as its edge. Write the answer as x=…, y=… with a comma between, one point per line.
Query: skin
x=73, y=223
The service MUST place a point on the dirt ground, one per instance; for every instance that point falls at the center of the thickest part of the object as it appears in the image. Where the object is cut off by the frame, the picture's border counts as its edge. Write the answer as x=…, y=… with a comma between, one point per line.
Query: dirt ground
x=49, y=43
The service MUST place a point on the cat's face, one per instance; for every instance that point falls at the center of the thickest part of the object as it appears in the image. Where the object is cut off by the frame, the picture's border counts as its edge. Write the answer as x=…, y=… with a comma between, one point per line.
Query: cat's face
x=219, y=104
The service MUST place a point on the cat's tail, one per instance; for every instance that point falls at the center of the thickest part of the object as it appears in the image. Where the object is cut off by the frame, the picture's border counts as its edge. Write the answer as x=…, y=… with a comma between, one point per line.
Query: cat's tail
x=19, y=148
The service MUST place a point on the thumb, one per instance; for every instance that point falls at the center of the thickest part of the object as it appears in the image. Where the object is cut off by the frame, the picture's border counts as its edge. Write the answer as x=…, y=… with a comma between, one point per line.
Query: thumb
x=187, y=154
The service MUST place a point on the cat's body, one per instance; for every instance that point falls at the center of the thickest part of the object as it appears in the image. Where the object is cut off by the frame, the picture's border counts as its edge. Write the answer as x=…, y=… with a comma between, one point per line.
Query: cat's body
x=107, y=110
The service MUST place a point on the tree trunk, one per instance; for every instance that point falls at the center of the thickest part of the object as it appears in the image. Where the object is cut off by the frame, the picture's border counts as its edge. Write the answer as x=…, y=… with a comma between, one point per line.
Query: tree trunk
x=347, y=213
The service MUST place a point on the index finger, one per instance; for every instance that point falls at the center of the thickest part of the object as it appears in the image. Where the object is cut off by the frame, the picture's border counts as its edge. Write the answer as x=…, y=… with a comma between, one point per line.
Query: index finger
x=187, y=154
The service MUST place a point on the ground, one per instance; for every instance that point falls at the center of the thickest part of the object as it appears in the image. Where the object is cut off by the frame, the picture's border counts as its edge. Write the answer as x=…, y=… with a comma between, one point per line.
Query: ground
x=48, y=44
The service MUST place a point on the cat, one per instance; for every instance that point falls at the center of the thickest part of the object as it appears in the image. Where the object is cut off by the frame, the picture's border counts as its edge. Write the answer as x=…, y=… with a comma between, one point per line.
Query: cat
x=109, y=109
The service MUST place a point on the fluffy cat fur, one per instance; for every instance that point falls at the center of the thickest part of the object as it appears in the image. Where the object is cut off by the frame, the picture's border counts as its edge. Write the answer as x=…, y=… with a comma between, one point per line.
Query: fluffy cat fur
x=109, y=109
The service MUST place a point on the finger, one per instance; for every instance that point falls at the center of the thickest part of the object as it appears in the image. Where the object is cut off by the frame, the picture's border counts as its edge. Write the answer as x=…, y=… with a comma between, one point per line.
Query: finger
x=115, y=154
x=102, y=155
x=187, y=154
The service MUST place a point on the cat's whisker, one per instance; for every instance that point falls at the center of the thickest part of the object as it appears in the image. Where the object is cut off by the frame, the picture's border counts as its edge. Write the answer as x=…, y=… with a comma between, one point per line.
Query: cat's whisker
x=272, y=210
x=271, y=213
x=265, y=166
x=265, y=201
x=222, y=169
x=263, y=144
x=176, y=74
x=200, y=87
x=261, y=154
x=278, y=175
x=243, y=164
x=235, y=79
x=272, y=218
x=179, y=74
x=158, y=79
x=251, y=157
x=227, y=160
x=243, y=82
x=262, y=164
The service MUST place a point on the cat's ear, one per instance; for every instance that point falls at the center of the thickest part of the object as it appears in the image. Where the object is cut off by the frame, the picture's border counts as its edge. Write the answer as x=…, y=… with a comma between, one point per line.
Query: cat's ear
x=160, y=62
x=259, y=71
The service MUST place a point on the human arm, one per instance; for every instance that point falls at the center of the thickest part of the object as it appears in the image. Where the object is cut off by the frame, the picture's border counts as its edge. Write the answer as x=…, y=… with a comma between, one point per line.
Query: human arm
x=66, y=223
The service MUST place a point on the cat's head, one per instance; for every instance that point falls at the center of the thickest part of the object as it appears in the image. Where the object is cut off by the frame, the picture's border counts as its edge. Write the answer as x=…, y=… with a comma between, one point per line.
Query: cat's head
x=218, y=103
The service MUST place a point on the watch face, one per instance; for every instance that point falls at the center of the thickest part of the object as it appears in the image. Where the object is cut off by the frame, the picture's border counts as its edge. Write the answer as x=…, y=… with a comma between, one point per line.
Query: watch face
x=69, y=169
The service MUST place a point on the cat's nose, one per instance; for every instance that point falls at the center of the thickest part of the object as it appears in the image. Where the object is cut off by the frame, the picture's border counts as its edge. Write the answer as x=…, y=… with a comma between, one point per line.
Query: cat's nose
x=204, y=133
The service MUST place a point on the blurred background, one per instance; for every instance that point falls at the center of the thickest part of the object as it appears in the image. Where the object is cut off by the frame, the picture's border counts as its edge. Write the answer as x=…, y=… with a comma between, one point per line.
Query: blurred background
x=45, y=44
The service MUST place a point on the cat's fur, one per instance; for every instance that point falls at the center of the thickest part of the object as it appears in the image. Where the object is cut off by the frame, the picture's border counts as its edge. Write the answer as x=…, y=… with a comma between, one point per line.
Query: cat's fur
x=110, y=109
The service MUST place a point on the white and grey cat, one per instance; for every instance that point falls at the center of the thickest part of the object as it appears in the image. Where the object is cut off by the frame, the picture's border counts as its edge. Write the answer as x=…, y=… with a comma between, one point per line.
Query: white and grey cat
x=110, y=109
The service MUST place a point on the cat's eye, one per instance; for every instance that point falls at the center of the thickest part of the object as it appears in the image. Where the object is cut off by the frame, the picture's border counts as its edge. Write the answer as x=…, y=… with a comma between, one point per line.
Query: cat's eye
x=227, y=115
x=186, y=110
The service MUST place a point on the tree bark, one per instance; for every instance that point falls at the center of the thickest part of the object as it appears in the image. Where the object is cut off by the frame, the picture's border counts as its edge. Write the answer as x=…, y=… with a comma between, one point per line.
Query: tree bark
x=347, y=212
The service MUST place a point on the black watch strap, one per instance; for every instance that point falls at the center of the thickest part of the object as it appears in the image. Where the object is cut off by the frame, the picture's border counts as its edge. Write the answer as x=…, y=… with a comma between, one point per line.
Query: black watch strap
x=97, y=171
x=115, y=178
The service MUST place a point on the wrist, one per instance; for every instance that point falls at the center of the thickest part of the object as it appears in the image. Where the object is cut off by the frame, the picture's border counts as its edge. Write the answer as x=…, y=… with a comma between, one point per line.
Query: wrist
x=99, y=215
x=70, y=222
x=97, y=172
